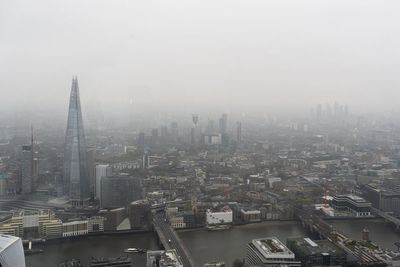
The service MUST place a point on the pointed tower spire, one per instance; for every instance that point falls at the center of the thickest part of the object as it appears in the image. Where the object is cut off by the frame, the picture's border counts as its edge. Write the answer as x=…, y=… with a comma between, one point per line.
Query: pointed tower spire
x=75, y=179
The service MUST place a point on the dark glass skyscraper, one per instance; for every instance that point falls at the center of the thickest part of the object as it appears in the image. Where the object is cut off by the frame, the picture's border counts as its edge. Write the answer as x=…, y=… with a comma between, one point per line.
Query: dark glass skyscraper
x=76, y=175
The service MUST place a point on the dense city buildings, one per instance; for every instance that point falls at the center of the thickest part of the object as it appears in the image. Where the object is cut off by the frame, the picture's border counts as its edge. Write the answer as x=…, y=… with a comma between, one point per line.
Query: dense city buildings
x=31, y=224
x=317, y=252
x=205, y=176
x=200, y=134
x=167, y=258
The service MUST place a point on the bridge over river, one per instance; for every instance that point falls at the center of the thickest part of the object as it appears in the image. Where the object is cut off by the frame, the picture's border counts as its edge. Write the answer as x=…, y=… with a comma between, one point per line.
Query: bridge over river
x=170, y=239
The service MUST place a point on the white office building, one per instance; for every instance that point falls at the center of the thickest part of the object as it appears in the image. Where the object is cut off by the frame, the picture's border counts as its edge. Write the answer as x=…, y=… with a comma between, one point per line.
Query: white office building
x=75, y=228
x=225, y=216
x=11, y=251
x=100, y=171
x=270, y=252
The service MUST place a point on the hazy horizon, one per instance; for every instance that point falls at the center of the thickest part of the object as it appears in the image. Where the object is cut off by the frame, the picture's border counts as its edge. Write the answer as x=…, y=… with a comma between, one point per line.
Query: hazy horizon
x=199, y=55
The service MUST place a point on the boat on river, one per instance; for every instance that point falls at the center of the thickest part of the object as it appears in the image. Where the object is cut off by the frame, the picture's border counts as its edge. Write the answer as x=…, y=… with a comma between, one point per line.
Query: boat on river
x=135, y=250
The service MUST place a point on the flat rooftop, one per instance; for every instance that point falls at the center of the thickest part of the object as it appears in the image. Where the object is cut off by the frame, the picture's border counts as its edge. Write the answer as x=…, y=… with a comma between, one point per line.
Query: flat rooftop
x=310, y=247
x=352, y=197
x=272, y=247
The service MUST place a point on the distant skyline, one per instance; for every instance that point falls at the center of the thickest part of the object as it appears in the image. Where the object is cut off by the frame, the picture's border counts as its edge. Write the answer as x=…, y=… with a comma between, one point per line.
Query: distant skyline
x=200, y=55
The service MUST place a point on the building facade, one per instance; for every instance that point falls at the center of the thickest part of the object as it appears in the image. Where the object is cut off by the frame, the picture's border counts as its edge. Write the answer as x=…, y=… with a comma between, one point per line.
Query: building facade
x=270, y=252
x=250, y=215
x=317, y=253
x=11, y=251
x=383, y=198
x=101, y=170
x=163, y=258
x=225, y=216
x=120, y=191
x=96, y=224
x=32, y=224
x=26, y=169
x=140, y=215
x=358, y=206
x=76, y=173
x=75, y=228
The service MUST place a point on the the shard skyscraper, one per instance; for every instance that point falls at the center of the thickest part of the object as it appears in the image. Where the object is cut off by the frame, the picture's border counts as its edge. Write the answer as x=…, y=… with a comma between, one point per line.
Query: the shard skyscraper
x=76, y=176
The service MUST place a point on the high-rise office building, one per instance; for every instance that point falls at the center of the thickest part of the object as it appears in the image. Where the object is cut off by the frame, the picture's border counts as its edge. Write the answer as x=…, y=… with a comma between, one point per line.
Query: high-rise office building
x=336, y=109
x=35, y=170
x=90, y=156
x=11, y=251
x=76, y=175
x=26, y=169
x=119, y=191
x=101, y=170
x=141, y=140
x=239, y=132
x=223, y=129
x=154, y=136
x=164, y=131
x=174, y=131
x=145, y=159
x=35, y=163
x=193, y=130
x=210, y=127
x=223, y=123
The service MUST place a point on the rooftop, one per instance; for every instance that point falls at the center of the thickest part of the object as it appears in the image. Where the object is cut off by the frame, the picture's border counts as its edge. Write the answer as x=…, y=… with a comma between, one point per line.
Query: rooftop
x=352, y=197
x=272, y=247
x=309, y=247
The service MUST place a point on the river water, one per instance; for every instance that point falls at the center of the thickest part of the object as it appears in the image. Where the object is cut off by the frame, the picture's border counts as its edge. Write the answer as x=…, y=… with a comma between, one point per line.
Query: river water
x=205, y=246
x=56, y=252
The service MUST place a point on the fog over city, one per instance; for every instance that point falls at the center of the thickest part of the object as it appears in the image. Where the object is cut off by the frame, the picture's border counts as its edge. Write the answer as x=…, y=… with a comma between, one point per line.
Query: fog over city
x=200, y=55
x=199, y=133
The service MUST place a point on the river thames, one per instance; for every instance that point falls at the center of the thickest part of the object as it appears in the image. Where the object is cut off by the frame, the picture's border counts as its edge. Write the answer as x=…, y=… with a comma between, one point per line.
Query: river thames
x=205, y=246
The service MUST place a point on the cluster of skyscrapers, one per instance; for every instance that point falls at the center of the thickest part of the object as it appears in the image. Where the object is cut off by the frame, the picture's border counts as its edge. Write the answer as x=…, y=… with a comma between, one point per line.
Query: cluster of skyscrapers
x=337, y=111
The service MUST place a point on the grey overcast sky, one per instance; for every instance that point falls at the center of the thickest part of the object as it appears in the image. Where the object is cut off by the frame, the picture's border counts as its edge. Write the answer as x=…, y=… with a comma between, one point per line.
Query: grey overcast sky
x=224, y=53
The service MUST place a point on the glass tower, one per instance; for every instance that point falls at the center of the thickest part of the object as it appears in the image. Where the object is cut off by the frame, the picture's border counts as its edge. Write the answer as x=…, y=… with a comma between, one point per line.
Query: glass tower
x=76, y=176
